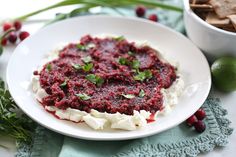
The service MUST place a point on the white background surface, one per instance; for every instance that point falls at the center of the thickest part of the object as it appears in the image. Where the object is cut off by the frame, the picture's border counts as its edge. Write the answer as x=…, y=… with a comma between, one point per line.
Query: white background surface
x=13, y=8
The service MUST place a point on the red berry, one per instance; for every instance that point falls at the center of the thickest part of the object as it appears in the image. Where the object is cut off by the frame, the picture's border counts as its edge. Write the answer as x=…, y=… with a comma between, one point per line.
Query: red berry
x=200, y=126
x=4, y=42
x=6, y=26
x=191, y=120
x=200, y=114
x=153, y=17
x=17, y=25
x=23, y=35
x=12, y=37
x=140, y=11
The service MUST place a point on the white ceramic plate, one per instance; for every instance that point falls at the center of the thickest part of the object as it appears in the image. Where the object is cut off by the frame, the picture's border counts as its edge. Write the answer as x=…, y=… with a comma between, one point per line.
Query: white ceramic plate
x=173, y=45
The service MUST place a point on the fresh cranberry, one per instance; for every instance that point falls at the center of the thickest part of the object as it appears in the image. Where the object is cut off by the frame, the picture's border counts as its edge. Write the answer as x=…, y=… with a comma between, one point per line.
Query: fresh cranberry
x=140, y=11
x=35, y=72
x=12, y=37
x=200, y=126
x=23, y=35
x=191, y=120
x=17, y=25
x=200, y=114
x=153, y=17
x=6, y=26
x=4, y=41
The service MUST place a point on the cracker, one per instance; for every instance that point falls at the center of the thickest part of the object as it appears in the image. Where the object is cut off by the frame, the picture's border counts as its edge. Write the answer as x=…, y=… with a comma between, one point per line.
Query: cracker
x=224, y=8
x=201, y=6
x=233, y=20
x=214, y=20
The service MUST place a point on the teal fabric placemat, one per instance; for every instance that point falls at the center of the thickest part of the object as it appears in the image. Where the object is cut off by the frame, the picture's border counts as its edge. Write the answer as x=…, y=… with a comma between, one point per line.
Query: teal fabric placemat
x=179, y=141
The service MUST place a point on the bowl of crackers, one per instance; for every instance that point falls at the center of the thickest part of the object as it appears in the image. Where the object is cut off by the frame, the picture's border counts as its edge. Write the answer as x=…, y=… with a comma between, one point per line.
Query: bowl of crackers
x=211, y=25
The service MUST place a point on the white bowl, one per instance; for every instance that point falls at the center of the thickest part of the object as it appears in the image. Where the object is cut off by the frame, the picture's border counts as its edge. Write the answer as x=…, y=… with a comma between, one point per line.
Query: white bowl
x=213, y=41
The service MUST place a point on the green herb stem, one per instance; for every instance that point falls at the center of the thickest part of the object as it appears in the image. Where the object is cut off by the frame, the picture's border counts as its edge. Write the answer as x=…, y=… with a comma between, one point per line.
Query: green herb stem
x=87, y=4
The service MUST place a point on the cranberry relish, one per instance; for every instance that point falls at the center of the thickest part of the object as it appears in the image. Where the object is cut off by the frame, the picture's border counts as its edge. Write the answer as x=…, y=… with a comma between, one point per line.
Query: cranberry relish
x=108, y=75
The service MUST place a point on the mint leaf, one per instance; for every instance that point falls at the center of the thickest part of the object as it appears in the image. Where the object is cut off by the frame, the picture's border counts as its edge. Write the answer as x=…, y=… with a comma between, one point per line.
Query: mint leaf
x=119, y=38
x=49, y=67
x=128, y=96
x=141, y=76
x=123, y=61
x=141, y=93
x=81, y=47
x=95, y=79
x=135, y=64
x=64, y=83
x=77, y=66
x=130, y=53
x=87, y=59
x=83, y=96
x=87, y=67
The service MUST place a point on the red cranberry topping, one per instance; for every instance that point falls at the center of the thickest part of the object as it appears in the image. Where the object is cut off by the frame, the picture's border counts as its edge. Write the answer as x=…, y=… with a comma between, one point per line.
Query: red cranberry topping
x=6, y=26
x=12, y=37
x=200, y=126
x=4, y=42
x=200, y=114
x=63, y=79
x=23, y=35
x=17, y=25
x=153, y=17
x=191, y=120
x=140, y=11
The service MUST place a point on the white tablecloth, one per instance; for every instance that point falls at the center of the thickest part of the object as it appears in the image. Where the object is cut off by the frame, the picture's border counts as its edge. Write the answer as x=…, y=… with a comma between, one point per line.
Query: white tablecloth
x=14, y=8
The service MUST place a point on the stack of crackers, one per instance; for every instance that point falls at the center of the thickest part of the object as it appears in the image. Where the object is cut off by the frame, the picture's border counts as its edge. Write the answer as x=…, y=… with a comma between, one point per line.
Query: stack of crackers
x=219, y=13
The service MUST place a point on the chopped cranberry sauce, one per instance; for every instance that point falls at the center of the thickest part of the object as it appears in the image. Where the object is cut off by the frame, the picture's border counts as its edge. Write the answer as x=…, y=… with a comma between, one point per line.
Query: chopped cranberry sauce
x=118, y=79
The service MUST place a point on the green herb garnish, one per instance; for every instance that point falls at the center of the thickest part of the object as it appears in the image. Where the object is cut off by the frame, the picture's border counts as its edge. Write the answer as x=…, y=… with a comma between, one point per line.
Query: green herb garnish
x=120, y=38
x=83, y=96
x=87, y=67
x=128, y=96
x=77, y=66
x=11, y=124
x=1, y=50
x=130, y=53
x=87, y=59
x=49, y=67
x=141, y=93
x=135, y=64
x=64, y=83
x=123, y=61
x=81, y=47
x=141, y=76
x=95, y=79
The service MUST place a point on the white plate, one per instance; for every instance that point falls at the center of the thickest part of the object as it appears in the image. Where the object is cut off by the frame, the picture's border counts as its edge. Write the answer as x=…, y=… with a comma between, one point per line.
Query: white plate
x=29, y=53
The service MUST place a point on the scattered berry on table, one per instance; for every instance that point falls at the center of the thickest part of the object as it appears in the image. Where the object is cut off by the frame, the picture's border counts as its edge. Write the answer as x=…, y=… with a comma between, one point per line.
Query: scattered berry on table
x=140, y=11
x=4, y=41
x=17, y=25
x=153, y=17
x=6, y=26
x=12, y=37
x=200, y=126
x=23, y=35
x=191, y=120
x=200, y=114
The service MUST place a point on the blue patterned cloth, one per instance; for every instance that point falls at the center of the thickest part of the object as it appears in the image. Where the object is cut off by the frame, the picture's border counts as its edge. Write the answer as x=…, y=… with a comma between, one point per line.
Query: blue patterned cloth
x=180, y=141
